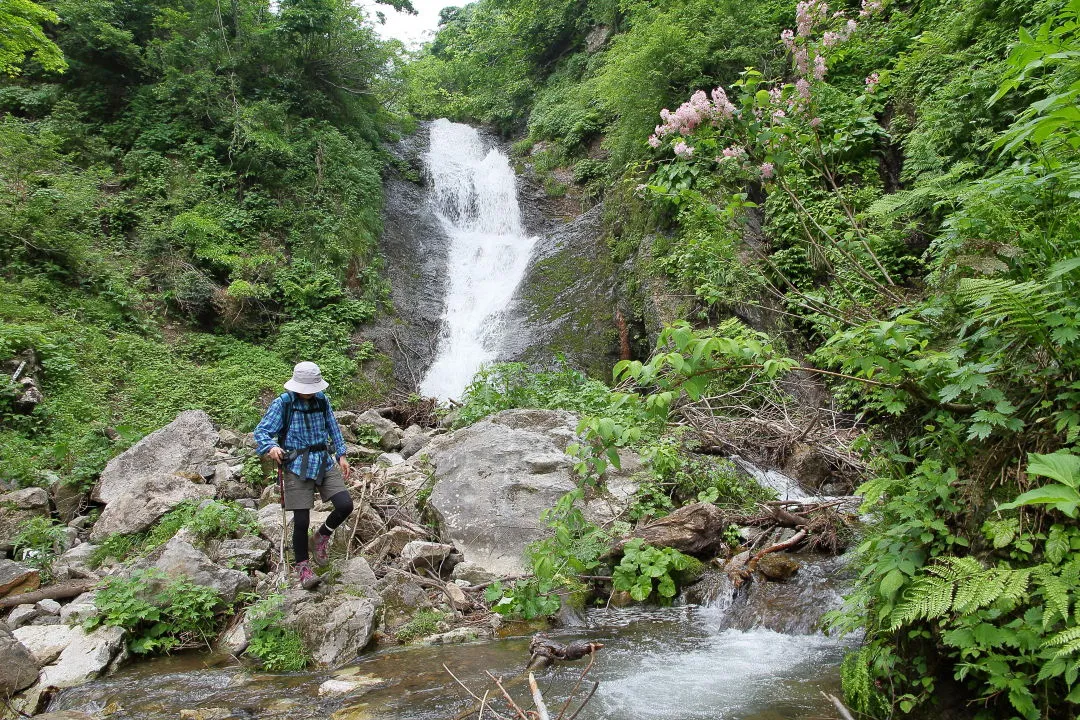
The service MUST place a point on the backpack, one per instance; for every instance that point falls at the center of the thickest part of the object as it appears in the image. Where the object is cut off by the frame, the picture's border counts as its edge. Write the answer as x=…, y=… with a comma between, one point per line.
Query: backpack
x=287, y=400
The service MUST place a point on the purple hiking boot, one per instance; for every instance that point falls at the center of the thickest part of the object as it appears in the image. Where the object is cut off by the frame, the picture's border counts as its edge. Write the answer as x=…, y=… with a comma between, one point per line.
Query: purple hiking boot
x=321, y=552
x=308, y=579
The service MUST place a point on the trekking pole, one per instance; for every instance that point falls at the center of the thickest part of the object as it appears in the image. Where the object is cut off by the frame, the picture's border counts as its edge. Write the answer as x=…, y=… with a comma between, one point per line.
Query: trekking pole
x=282, y=571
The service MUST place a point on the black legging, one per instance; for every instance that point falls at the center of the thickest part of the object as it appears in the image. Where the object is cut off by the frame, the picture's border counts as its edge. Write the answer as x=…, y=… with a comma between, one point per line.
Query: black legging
x=343, y=507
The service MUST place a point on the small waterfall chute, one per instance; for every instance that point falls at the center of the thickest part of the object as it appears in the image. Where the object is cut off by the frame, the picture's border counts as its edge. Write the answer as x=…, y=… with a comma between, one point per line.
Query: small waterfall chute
x=474, y=194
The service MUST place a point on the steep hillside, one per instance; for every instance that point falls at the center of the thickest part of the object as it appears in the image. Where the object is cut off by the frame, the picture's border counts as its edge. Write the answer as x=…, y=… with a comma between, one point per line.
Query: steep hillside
x=191, y=202
x=889, y=192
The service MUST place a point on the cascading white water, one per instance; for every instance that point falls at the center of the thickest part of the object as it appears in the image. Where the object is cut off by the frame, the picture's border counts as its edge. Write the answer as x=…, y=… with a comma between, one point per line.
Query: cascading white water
x=475, y=198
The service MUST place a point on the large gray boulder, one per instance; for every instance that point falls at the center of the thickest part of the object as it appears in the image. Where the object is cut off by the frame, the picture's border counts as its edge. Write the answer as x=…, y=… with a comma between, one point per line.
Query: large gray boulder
x=45, y=642
x=334, y=627
x=86, y=656
x=246, y=553
x=390, y=434
x=357, y=573
x=494, y=478
x=182, y=445
x=16, y=508
x=18, y=667
x=146, y=500
x=179, y=557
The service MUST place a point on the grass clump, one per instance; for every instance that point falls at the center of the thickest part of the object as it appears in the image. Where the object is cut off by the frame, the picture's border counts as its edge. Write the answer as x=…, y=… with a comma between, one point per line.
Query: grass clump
x=424, y=623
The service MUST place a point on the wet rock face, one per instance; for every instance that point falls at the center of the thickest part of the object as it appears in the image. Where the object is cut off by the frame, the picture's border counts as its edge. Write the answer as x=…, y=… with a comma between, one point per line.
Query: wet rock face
x=778, y=566
x=566, y=302
x=415, y=247
x=181, y=446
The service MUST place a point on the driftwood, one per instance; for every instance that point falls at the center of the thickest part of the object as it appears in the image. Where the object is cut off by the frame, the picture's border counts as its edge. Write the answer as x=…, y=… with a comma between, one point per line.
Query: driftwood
x=538, y=699
x=795, y=540
x=572, y=651
x=840, y=708
x=762, y=422
x=60, y=591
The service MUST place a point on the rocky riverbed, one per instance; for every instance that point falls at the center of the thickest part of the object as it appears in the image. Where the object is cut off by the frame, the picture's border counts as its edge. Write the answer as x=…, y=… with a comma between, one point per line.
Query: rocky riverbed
x=440, y=515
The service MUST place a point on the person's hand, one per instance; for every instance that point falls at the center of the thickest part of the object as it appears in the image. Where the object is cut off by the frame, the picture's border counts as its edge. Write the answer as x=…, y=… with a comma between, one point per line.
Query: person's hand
x=346, y=471
x=276, y=454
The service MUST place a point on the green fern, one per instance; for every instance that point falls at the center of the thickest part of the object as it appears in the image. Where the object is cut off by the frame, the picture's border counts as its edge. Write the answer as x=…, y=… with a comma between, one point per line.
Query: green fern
x=961, y=585
x=1056, y=593
x=1067, y=642
x=1019, y=307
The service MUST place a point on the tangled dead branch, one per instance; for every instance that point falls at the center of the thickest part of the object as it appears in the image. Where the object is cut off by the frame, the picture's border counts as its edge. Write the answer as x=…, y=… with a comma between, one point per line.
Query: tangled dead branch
x=573, y=651
x=819, y=527
x=760, y=421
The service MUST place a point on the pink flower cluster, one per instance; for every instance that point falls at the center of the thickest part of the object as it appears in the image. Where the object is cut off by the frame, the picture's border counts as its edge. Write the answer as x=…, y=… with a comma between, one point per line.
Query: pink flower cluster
x=698, y=109
x=872, y=81
x=683, y=150
x=733, y=152
x=808, y=14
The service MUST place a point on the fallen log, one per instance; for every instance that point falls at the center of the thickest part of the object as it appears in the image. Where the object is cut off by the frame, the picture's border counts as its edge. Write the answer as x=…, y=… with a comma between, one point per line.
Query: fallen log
x=60, y=591
x=795, y=540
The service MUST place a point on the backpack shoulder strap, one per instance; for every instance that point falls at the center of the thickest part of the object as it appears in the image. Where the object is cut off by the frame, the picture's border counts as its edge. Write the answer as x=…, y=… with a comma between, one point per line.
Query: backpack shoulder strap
x=286, y=417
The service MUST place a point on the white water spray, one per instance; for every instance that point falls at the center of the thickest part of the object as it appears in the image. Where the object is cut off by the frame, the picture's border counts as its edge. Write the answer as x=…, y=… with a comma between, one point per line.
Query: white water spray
x=475, y=198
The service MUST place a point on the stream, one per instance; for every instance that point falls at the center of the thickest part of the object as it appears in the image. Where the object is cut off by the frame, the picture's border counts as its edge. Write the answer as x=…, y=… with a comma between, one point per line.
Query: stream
x=686, y=662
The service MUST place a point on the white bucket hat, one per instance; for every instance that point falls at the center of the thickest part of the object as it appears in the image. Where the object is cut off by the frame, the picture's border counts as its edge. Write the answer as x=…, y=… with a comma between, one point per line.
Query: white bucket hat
x=306, y=379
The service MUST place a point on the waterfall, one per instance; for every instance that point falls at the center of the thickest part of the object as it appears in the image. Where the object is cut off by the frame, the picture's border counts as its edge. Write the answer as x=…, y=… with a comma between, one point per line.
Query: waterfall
x=474, y=195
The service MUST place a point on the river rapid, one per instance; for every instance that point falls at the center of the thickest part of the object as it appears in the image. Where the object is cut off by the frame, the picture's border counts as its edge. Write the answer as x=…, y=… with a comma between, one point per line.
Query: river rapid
x=677, y=663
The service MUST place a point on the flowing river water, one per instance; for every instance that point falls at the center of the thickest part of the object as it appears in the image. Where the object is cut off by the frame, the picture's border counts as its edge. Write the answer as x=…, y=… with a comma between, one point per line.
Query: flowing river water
x=751, y=655
x=689, y=662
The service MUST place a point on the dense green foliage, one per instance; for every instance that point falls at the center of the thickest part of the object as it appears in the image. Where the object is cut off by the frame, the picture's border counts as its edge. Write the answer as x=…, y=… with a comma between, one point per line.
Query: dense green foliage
x=896, y=188
x=187, y=210
x=278, y=648
x=159, y=614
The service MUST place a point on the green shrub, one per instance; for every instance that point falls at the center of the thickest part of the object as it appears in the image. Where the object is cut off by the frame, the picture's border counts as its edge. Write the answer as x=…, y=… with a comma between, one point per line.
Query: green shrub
x=118, y=547
x=280, y=649
x=643, y=564
x=221, y=519
x=503, y=386
x=37, y=544
x=159, y=614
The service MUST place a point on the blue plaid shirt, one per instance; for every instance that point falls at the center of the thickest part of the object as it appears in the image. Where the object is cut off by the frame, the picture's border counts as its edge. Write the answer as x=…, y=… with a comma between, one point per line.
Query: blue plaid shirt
x=305, y=429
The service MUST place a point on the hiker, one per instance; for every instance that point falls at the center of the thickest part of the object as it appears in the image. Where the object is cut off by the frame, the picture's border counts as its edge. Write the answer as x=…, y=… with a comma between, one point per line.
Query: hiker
x=300, y=433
